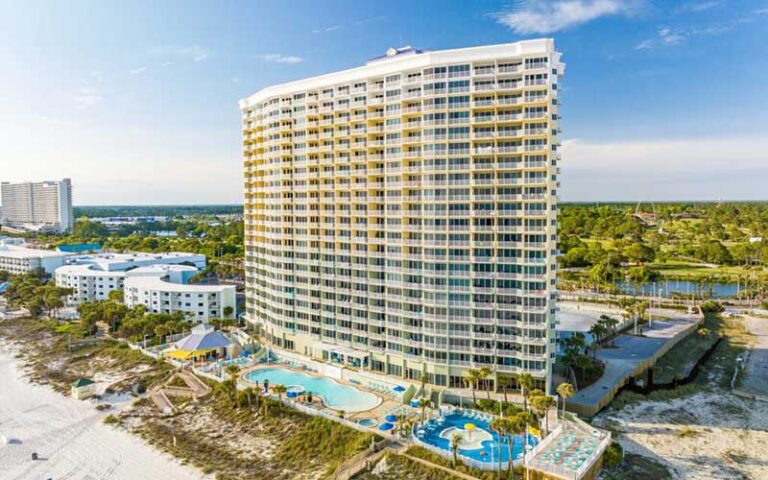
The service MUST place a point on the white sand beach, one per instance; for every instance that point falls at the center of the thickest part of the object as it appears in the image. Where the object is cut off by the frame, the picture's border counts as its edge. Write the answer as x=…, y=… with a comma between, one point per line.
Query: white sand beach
x=69, y=437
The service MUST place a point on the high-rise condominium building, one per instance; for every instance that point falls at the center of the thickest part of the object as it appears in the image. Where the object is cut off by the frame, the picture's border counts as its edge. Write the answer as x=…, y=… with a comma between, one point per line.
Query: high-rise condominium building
x=37, y=205
x=401, y=216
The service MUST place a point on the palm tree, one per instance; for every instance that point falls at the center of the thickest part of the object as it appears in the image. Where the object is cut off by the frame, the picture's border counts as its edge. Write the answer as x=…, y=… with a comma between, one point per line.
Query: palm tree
x=279, y=390
x=232, y=371
x=597, y=330
x=541, y=405
x=499, y=425
x=519, y=425
x=471, y=379
x=455, y=442
x=485, y=372
x=423, y=404
x=504, y=386
x=526, y=382
x=424, y=379
x=566, y=391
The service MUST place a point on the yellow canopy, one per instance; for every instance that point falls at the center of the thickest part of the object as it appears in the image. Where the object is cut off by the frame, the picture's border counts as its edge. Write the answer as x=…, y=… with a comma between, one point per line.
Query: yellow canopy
x=187, y=354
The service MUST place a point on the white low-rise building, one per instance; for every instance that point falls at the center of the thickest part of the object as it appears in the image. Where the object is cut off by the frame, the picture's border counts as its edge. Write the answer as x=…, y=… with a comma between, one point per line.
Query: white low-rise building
x=92, y=277
x=18, y=259
x=162, y=289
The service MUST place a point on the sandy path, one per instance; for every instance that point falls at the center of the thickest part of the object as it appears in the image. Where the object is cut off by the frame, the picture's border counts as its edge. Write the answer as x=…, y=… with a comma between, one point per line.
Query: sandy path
x=70, y=438
x=706, y=436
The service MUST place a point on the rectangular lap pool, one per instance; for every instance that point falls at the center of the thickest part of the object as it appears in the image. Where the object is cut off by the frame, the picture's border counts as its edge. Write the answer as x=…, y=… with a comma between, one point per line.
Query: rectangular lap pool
x=333, y=394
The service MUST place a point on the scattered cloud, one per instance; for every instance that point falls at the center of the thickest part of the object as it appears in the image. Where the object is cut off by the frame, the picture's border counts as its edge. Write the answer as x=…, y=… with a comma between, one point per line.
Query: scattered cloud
x=195, y=53
x=543, y=17
x=280, y=58
x=137, y=71
x=668, y=37
x=697, y=6
x=97, y=75
x=166, y=64
x=325, y=30
x=87, y=97
x=235, y=80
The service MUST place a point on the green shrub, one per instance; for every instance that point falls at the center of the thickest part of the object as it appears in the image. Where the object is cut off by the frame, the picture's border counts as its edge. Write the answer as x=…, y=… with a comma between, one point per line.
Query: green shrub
x=613, y=455
x=711, y=306
x=111, y=420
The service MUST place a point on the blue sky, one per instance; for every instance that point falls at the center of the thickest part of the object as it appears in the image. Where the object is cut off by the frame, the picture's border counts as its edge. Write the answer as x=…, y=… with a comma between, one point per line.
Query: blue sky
x=137, y=102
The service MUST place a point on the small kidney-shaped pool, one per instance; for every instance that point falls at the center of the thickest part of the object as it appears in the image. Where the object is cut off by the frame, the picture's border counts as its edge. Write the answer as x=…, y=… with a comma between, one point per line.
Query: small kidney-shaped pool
x=334, y=395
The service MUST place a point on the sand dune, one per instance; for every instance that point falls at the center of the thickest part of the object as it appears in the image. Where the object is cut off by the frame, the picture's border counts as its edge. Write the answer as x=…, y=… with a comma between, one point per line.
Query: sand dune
x=70, y=438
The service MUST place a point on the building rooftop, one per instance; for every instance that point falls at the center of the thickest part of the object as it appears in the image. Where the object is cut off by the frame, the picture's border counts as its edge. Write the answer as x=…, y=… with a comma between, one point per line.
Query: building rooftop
x=161, y=282
x=126, y=261
x=403, y=59
x=17, y=251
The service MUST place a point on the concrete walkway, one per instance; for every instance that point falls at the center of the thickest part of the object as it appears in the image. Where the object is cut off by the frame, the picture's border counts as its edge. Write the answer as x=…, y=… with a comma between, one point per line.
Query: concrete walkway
x=756, y=373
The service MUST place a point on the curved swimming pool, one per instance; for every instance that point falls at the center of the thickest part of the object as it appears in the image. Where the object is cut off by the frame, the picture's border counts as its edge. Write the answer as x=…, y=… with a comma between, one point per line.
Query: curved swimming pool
x=334, y=395
x=481, y=444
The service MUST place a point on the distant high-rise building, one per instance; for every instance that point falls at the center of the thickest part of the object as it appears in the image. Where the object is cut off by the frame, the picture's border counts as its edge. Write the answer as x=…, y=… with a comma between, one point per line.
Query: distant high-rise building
x=37, y=205
x=401, y=216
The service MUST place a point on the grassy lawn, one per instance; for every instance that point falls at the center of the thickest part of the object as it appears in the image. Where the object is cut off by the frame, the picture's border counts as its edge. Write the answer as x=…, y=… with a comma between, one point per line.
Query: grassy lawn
x=692, y=271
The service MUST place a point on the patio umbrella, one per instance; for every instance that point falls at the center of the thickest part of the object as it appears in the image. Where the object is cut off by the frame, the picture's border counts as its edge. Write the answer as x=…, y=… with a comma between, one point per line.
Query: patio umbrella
x=386, y=426
x=399, y=389
x=415, y=403
x=391, y=418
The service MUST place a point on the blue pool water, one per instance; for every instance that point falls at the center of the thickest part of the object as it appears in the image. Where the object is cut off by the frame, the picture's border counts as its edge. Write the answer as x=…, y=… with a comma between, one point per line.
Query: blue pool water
x=488, y=451
x=334, y=395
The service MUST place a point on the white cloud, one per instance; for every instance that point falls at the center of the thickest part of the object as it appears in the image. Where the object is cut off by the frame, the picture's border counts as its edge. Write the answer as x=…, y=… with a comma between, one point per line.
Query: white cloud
x=698, y=6
x=696, y=168
x=280, y=58
x=137, y=71
x=235, y=80
x=166, y=64
x=97, y=75
x=192, y=52
x=87, y=97
x=329, y=29
x=668, y=37
x=545, y=17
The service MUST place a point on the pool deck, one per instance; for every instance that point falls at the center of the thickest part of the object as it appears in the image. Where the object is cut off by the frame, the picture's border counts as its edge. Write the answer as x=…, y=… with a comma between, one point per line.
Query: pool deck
x=378, y=412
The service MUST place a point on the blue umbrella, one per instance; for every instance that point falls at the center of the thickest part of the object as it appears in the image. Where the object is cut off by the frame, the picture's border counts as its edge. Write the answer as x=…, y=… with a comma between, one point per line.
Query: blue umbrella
x=386, y=426
x=415, y=403
x=391, y=418
x=399, y=389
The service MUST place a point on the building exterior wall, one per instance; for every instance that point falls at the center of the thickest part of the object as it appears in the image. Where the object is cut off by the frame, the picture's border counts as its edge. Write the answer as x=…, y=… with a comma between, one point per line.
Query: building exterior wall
x=47, y=204
x=93, y=276
x=407, y=209
x=19, y=260
x=197, y=302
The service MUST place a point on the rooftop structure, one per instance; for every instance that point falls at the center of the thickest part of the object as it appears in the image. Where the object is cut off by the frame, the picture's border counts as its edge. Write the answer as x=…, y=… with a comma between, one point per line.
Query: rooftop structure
x=406, y=209
x=93, y=276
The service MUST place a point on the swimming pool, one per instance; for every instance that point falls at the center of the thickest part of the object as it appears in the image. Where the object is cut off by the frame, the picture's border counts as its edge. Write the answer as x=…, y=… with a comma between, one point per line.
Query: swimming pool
x=481, y=444
x=334, y=395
